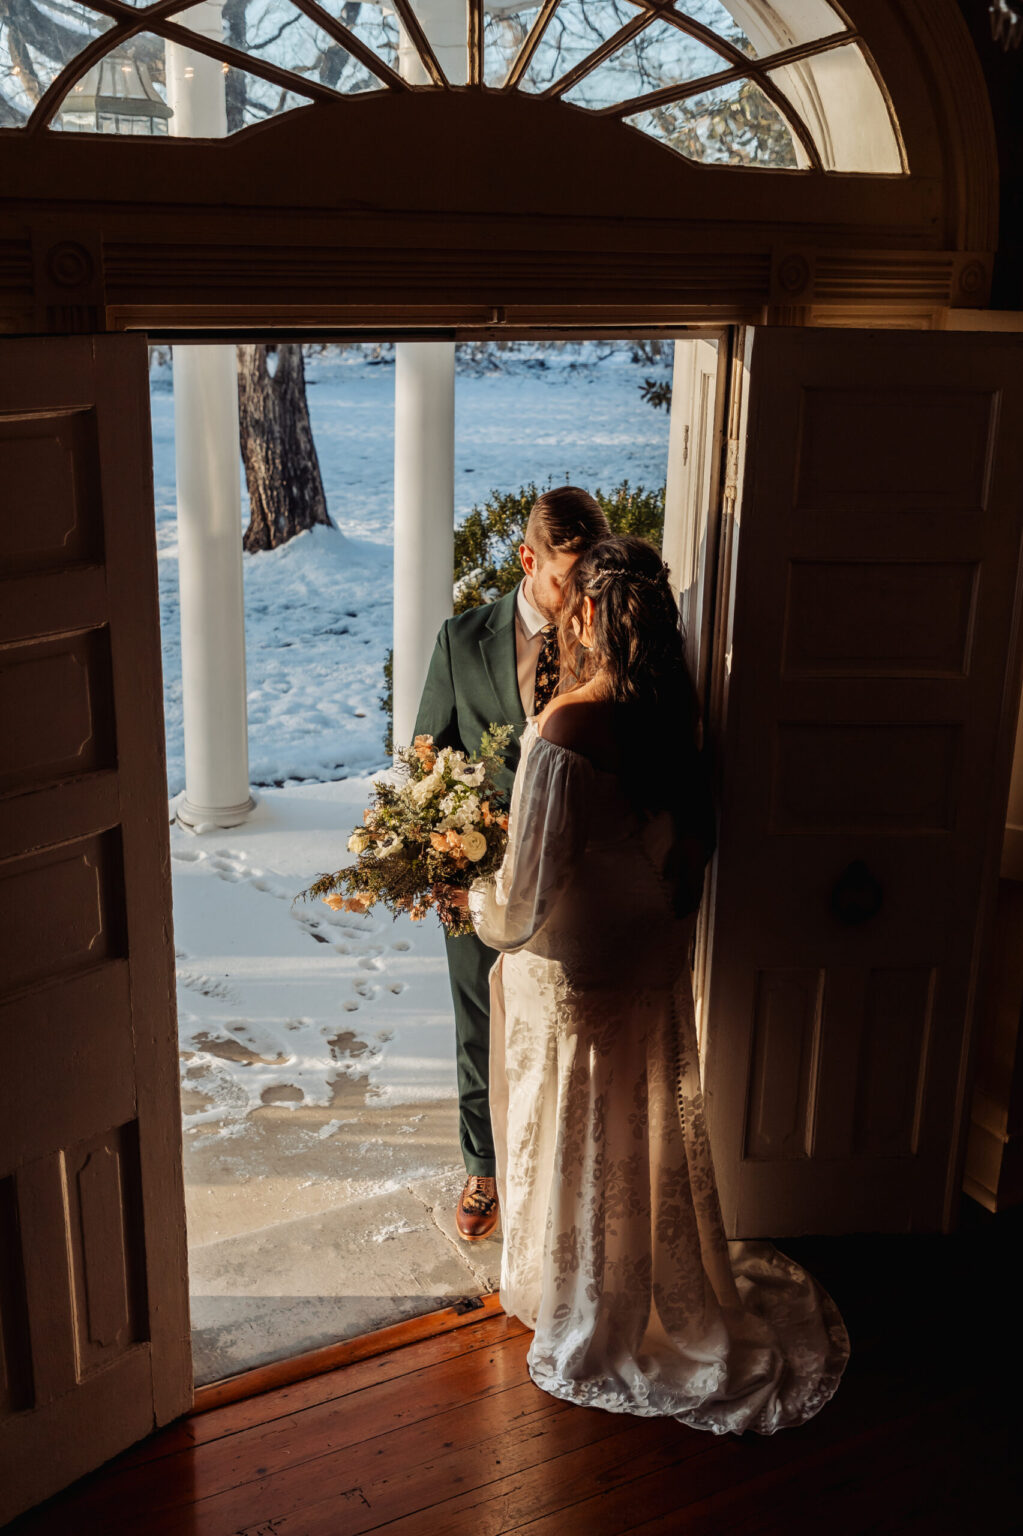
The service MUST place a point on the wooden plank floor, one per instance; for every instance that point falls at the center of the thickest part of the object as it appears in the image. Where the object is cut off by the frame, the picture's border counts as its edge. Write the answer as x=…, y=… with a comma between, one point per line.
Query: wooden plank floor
x=448, y=1435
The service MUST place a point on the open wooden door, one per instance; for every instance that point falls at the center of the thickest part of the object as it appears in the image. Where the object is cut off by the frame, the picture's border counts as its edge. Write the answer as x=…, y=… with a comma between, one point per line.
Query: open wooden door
x=699, y=504
x=872, y=674
x=93, y=1273
x=691, y=525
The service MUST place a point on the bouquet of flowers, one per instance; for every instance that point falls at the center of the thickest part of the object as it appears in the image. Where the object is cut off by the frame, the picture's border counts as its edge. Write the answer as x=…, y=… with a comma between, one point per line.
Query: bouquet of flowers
x=442, y=823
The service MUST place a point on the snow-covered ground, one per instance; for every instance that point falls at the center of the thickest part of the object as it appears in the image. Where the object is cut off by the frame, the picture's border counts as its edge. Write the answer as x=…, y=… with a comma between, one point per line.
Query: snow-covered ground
x=279, y=1001
x=317, y=1048
x=318, y=611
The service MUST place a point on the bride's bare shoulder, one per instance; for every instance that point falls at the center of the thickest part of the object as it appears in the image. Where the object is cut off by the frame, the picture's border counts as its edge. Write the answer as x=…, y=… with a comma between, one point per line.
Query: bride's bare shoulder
x=583, y=725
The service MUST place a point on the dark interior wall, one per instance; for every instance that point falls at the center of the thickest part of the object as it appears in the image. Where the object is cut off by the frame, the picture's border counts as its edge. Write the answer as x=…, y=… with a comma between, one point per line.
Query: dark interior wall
x=1003, y=72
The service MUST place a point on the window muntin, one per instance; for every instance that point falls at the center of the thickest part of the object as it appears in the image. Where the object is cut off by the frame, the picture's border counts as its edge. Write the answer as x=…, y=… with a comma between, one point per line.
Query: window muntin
x=776, y=84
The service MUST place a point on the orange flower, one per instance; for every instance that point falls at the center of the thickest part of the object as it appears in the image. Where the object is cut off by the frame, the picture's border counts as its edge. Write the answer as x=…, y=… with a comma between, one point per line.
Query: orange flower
x=454, y=840
x=502, y=822
x=336, y=903
x=485, y=813
x=439, y=841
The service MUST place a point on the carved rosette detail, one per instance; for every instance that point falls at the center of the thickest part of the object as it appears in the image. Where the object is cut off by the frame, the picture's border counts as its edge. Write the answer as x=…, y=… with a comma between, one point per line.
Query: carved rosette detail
x=793, y=276
x=69, y=265
x=972, y=281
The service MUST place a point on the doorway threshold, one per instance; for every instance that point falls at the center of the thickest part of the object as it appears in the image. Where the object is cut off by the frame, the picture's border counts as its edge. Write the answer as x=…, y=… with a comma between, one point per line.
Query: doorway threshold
x=316, y=1362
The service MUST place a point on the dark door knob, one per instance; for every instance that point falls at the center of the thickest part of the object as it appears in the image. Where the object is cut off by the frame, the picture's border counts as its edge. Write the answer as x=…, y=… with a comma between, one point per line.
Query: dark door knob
x=856, y=894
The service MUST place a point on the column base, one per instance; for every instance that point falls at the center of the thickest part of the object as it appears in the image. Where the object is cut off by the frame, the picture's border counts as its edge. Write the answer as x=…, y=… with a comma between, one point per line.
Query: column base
x=213, y=816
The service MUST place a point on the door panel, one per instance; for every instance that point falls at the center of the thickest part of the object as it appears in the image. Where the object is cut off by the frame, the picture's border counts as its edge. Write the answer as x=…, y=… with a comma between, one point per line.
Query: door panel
x=873, y=668
x=93, y=1278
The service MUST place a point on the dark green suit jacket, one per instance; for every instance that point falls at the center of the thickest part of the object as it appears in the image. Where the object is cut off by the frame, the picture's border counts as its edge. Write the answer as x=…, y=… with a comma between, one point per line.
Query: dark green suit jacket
x=473, y=682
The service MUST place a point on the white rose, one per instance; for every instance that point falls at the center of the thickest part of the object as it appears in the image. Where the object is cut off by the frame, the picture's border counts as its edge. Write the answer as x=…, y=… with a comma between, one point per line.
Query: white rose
x=359, y=842
x=474, y=845
x=426, y=788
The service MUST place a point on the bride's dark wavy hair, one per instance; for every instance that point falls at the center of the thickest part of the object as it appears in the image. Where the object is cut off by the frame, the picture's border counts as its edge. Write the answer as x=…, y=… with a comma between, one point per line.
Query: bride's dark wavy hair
x=639, y=642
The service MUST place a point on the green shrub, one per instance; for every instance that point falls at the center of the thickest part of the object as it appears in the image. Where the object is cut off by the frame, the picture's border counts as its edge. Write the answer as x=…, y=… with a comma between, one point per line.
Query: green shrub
x=487, y=551
x=487, y=542
x=387, y=704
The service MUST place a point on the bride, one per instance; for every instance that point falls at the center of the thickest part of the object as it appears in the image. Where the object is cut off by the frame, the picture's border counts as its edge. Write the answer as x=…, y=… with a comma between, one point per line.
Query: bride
x=614, y=1248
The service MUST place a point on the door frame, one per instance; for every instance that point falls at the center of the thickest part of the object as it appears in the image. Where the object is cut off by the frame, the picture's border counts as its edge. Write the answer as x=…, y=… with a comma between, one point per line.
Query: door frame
x=720, y=573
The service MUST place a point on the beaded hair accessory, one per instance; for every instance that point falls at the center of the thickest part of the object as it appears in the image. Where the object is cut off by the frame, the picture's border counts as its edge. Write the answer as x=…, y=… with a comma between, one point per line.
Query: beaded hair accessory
x=634, y=578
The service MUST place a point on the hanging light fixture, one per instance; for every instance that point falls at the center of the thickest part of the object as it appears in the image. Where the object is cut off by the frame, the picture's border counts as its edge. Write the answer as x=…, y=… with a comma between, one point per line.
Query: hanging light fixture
x=117, y=95
x=1006, y=23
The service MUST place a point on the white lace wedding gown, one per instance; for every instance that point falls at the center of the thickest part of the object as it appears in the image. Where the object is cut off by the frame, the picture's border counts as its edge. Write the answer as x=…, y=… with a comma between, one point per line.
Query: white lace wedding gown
x=614, y=1248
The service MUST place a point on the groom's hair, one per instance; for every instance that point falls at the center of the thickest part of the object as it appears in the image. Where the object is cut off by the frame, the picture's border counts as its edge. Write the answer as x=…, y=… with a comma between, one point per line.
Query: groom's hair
x=565, y=520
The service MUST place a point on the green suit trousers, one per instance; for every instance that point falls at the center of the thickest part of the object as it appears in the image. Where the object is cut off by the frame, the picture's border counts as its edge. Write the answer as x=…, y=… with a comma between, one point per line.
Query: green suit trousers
x=472, y=684
x=469, y=962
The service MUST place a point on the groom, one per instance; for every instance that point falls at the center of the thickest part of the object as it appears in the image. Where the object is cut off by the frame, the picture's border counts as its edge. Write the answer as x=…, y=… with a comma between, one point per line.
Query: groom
x=495, y=665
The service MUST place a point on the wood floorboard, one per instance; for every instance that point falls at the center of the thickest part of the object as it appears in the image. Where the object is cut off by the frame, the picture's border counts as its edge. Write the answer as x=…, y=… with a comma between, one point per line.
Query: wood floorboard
x=236, y=1418
x=304, y=1445
x=448, y=1436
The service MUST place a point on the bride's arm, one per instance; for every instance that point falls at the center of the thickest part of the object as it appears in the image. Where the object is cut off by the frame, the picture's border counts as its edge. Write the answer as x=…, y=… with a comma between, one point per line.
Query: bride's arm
x=546, y=835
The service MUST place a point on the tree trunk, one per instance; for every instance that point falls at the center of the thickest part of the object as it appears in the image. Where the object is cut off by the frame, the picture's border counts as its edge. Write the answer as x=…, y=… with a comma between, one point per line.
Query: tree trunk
x=282, y=471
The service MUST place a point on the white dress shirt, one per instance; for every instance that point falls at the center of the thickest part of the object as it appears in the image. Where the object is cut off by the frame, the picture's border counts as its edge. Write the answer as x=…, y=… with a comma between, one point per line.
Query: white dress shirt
x=528, y=643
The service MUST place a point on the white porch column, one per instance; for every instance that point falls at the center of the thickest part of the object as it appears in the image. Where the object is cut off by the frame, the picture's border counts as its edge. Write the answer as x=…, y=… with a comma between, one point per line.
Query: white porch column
x=424, y=436
x=424, y=527
x=209, y=507
x=446, y=24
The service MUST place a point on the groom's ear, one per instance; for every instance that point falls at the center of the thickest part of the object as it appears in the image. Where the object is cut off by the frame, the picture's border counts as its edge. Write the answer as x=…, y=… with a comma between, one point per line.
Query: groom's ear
x=527, y=558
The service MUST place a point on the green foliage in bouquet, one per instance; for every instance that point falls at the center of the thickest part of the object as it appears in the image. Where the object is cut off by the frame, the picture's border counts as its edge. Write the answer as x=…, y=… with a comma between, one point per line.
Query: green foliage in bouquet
x=442, y=823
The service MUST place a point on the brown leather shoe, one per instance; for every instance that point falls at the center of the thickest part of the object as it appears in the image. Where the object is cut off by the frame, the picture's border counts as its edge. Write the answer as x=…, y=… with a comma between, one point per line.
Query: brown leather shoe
x=476, y=1212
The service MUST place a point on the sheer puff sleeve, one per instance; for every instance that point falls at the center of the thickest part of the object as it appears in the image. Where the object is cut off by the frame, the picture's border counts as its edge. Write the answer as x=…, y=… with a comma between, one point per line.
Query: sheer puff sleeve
x=546, y=835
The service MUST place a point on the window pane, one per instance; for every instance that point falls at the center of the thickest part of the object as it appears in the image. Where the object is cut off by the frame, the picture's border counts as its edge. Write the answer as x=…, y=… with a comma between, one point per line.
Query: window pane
x=128, y=88
x=575, y=29
x=658, y=56
x=843, y=106
x=734, y=124
x=721, y=19
x=278, y=33
x=36, y=41
x=125, y=87
x=505, y=29
x=374, y=25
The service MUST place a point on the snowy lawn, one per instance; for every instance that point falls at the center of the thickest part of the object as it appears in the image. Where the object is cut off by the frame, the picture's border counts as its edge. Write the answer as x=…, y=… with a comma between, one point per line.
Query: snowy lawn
x=318, y=611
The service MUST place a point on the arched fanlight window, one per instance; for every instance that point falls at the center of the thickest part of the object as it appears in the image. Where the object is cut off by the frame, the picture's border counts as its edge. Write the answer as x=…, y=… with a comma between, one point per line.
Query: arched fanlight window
x=778, y=84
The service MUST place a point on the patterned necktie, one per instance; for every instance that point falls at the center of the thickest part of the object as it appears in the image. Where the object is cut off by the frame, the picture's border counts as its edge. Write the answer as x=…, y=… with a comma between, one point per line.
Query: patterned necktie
x=548, y=669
